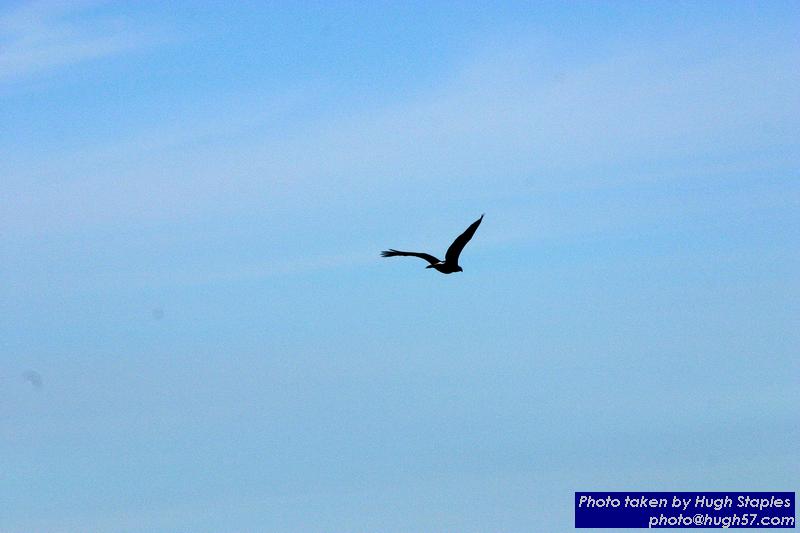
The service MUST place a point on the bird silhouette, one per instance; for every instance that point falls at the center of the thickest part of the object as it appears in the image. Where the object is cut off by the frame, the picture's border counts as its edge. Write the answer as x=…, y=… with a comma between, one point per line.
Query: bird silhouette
x=450, y=263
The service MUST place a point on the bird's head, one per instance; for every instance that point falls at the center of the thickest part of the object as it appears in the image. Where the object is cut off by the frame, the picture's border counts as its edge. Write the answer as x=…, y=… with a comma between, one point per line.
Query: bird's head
x=460, y=269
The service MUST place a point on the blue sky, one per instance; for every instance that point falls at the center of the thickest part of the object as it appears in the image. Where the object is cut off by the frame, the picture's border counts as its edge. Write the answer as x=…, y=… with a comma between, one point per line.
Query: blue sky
x=194, y=198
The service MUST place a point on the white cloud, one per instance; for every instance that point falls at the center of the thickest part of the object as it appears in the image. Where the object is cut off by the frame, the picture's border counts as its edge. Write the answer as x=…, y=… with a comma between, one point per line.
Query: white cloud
x=633, y=114
x=42, y=36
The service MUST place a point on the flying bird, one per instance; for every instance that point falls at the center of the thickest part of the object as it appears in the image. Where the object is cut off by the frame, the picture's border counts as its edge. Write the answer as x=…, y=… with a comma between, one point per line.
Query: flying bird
x=450, y=263
x=33, y=377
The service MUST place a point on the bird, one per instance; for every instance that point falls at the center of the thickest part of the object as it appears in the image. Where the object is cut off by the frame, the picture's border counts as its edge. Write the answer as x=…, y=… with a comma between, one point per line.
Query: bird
x=450, y=263
x=33, y=377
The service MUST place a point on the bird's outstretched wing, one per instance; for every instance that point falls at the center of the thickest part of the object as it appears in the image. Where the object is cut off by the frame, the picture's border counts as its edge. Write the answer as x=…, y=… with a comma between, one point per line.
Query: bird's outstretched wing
x=461, y=241
x=427, y=257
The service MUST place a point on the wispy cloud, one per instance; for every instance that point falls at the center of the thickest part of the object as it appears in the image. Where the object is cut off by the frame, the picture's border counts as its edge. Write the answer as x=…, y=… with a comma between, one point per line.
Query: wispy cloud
x=42, y=36
x=498, y=116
